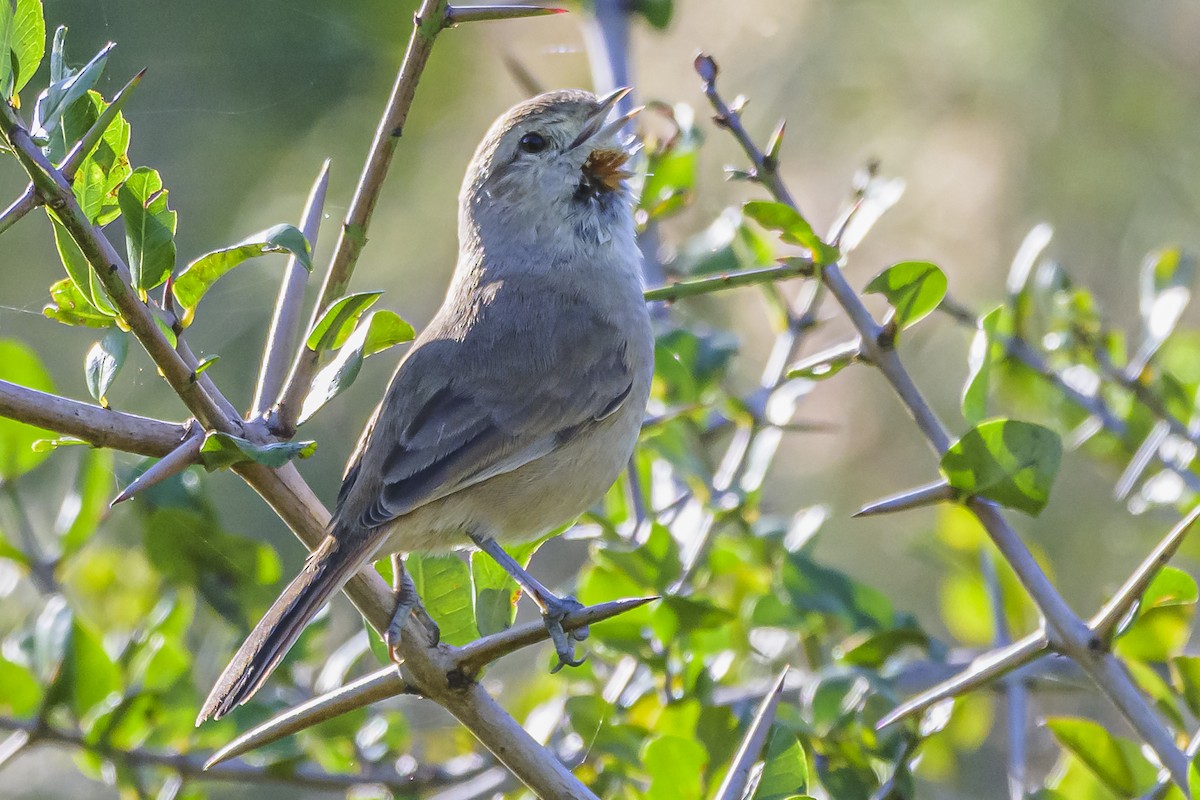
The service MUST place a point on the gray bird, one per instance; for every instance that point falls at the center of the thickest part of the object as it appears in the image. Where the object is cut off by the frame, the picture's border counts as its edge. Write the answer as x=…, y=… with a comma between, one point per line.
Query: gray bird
x=520, y=403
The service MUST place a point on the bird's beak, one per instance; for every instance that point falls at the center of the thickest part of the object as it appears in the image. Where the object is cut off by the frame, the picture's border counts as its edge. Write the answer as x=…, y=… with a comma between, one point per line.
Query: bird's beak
x=596, y=127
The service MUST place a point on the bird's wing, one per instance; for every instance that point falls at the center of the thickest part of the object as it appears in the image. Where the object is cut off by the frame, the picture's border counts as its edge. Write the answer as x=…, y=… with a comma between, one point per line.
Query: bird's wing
x=451, y=418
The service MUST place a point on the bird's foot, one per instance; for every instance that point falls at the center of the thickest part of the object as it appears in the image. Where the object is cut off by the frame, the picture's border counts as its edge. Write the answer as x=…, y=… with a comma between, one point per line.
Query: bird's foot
x=408, y=603
x=555, y=610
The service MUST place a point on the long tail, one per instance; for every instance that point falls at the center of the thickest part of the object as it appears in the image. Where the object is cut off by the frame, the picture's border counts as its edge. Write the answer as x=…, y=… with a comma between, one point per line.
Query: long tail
x=326, y=571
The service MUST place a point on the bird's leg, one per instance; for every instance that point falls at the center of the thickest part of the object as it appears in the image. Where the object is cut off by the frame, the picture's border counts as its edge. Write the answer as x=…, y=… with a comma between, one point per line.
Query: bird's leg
x=554, y=608
x=407, y=602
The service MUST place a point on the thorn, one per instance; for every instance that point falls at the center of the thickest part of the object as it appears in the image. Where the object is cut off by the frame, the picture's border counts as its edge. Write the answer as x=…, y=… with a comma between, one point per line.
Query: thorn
x=927, y=495
x=775, y=143
x=457, y=15
x=473, y=656
x=93, y=135
x=982, y=671
x=172, y=463
x=522, y=76
x=738, y=174
x=1105, y=623
x=372, y=688
x=738, y=776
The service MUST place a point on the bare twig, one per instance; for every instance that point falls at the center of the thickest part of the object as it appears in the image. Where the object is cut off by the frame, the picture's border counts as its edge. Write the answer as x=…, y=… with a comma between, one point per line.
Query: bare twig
x=286, y=319
x=101, y=427
x=1065, y=629
x=1015, y=695
x=794, y=268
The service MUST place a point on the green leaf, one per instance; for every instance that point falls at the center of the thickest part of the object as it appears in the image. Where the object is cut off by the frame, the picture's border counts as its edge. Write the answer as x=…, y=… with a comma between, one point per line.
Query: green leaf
x=339, y=320
x=149, y=228
x=671, y=169
x=28, y=41
x=20, y=694
x=235, y=575
x=20, y=365
x=785, y=768
x=824, y=368
x=221, y=450
x=1165, y=290
x=676, y=767
x=77, y=267
x=55, y=99
x=385, y=329
x=88, y=671
x=1098, y=750
x=985, y=351
x=97, y=182
x=104, y=361
x=8, y=60
x=69, y=306
x=88, y=500
x=1164, y=617
x=206, y=362
x=444, y=584
x=379, y=331
x=199, y=276
x=1011, y=462
x=1185, y=673
x=495, y=593
x=656, y=12
x=913, y=288
x=793, y=228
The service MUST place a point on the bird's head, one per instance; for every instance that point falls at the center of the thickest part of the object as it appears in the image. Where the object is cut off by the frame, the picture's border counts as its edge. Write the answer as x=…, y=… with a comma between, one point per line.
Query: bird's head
x=553, y=164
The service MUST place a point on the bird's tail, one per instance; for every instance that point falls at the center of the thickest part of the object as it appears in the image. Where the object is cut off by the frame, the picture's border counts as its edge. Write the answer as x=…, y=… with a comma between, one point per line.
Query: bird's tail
x=327, y=570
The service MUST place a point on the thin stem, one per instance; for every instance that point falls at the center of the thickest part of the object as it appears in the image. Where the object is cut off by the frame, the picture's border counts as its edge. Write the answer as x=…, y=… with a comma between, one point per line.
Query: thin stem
x=192, y=767
x=797, y=268
x=41, y=568
x=1015, y=694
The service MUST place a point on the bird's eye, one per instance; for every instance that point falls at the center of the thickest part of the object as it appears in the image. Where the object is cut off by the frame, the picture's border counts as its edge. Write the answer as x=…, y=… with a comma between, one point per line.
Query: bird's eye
x=533, y=143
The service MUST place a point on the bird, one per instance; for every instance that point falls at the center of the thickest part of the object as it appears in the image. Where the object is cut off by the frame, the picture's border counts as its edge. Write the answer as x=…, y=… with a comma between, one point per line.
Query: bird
x=520, y=403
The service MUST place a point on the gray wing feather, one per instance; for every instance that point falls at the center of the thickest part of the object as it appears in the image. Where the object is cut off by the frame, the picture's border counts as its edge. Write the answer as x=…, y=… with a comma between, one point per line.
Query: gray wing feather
x=451, y=420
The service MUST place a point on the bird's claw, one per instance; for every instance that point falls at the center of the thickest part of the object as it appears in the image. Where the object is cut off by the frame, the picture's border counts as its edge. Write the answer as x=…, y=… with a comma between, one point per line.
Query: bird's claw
x=564, y=642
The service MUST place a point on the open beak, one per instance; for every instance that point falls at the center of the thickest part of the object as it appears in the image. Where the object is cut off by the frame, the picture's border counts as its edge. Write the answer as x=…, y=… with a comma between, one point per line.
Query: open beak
x=596, y=128
x=606, y=165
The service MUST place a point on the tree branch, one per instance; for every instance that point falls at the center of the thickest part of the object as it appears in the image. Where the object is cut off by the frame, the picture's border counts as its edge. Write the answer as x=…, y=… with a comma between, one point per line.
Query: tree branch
x=1067, y=632
x=101, y=427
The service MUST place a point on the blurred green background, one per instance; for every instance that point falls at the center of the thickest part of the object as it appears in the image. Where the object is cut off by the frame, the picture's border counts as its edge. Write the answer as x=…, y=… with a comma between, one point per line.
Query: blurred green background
x=998, y=114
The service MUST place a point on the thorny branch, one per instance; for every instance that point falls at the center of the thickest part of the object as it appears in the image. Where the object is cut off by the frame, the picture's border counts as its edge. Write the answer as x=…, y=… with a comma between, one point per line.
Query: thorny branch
x=1068, y=633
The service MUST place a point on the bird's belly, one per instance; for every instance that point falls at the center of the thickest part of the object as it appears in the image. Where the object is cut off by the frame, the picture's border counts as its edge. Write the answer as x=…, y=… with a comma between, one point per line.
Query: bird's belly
x=526, y=503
